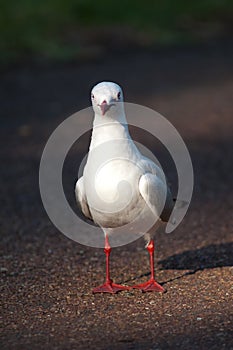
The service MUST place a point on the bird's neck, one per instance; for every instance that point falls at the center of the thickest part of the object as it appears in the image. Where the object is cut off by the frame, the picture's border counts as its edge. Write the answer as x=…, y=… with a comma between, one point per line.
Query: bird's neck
x=100, y=120
x=106, y=129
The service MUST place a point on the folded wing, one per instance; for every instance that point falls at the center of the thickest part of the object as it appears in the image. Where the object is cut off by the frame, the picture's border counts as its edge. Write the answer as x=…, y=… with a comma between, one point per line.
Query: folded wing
x=81, y=198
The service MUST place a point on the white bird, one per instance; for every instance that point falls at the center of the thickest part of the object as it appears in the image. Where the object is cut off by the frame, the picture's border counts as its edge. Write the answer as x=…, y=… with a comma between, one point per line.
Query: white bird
x=120, y=188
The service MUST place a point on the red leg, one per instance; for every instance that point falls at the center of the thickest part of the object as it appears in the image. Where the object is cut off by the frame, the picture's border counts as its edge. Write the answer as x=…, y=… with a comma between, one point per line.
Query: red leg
x=150, y=285
x=109, y=286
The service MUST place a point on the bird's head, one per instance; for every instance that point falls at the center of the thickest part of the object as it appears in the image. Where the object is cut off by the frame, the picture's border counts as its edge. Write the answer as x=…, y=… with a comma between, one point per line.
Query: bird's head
x=107, y=100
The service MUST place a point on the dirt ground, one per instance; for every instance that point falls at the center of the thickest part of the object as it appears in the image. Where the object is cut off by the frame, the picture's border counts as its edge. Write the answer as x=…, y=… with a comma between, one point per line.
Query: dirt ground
x=46, y=279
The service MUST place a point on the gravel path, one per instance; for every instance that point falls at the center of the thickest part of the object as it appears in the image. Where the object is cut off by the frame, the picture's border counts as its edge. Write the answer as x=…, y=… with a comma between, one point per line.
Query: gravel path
x=46, y=278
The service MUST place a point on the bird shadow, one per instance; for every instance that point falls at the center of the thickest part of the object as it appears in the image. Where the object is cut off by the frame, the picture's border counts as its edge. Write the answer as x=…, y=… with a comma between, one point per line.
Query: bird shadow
x=208, y=257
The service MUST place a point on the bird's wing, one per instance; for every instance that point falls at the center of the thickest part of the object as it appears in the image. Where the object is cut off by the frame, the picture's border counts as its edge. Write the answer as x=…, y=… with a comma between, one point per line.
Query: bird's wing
x=155, y=169
x=168, y=207
x=153, y=189
x=149, y=166
x=81, y=198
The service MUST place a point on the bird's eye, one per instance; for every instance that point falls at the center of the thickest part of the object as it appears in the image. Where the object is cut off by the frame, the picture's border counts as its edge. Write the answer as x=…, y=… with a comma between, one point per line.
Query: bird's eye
x=119, y=95
x=92, y=96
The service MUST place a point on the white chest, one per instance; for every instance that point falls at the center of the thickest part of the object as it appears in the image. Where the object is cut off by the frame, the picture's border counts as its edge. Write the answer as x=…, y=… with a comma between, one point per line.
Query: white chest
x=113, y=186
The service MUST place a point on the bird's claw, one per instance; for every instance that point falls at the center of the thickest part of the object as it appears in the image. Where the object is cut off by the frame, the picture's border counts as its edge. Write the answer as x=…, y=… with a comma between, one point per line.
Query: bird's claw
x=110, y=287
x=150, y=286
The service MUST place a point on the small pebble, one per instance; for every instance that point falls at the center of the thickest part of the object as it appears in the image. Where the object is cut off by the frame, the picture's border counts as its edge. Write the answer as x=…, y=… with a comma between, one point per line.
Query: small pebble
x=3, y=269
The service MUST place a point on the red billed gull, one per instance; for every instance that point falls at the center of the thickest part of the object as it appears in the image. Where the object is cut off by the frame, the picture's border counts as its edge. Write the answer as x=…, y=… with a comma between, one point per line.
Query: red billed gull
x=119, y=185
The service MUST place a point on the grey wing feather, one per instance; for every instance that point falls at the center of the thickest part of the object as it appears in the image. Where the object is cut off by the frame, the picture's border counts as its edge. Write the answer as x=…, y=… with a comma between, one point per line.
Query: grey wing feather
x=153, y=191
x=81, y=198
x=155, y=169
x=168, y=207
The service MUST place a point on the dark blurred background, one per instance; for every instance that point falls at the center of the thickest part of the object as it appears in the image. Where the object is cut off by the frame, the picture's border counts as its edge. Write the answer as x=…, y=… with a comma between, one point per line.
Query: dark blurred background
x=60, y=30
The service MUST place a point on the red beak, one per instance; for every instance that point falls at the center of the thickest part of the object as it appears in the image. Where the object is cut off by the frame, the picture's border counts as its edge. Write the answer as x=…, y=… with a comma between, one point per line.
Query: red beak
x=104, y=107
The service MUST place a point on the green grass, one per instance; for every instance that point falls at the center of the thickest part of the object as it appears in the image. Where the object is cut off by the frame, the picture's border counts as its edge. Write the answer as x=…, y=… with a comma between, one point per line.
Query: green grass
x=51, y=28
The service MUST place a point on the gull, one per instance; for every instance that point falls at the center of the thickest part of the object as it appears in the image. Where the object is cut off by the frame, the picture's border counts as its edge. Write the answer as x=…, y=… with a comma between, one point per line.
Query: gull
x=120, y=187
